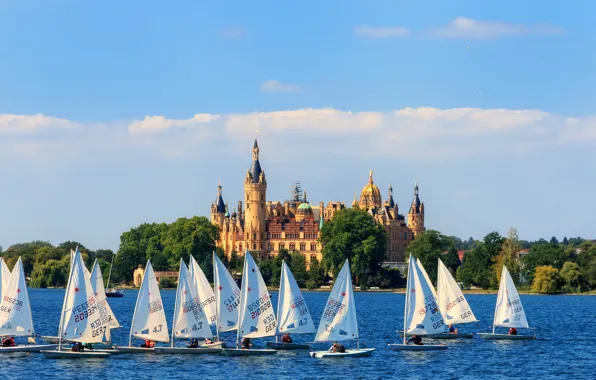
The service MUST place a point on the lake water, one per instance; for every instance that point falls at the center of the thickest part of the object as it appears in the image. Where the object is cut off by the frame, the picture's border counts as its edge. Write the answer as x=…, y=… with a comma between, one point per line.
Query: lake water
x=565, y=348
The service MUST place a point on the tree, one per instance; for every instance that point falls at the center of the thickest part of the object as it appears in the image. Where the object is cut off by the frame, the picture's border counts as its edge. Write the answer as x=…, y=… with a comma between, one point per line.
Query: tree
x=298, y=268
x=316, y=275
x=428, y=247
x=476, y=265
x=451, y=259
x=571, y=274
x=565, y=241
x=543, y=254
x=554, y=240
x=546, y=280
x=354, y=235
x=508, y=256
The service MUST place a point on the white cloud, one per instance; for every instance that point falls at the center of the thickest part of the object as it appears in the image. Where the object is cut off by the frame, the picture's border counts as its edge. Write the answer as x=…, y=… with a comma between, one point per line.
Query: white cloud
x=155, y=124
x=28, y=124
x=275, y=86
x=382, y=32
x=462, y=27
x=412, y=133
x=233, y=33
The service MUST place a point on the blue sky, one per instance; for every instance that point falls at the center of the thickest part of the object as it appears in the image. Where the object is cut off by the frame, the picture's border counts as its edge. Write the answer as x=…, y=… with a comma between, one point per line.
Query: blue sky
x=116, y=113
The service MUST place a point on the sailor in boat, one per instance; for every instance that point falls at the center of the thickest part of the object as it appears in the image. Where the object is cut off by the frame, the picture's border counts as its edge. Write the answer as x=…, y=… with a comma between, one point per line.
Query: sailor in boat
x=246, y=343
x=8, y=342
x=336, y=347
x=286, y=338
x=452, y=330
x=78, y=347
x=194, y=343
x=512, y=331
x=148, y=344
x=208, y=341
x=416, y=339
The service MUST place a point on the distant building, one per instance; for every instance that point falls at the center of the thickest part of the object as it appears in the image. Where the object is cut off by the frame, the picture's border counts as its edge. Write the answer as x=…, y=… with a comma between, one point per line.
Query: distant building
x=266, y=227
x=139, y=273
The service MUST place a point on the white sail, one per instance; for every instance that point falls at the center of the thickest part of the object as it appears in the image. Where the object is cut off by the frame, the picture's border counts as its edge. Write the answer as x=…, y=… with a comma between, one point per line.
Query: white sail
x=421, y=267
x=100, y=295
x=339, y=320
x=204, y=291
x=190, y=320
x=422, y=312
x=509, y=311
x=256, y=316
x=15, y=310
x=451, y=300
x=81, y=320
x=292, y=313
x=4, y=274
x=149, y=320
x=227, y=296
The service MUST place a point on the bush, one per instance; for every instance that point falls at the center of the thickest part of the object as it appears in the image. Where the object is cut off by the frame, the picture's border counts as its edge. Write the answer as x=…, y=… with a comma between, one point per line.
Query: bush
x=311, y=284
x=166, y=283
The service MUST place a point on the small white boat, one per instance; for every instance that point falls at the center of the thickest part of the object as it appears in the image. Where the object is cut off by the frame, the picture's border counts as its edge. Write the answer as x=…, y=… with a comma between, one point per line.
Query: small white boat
x=420, y=297
x=15, y=310
x=253, y=296
x=204, y=291
x=76, y=324
x=339, y=321
x=452, y=303
x=509, y=311
x=227, y=297
x=186, y=350
x=54, y=340
x=293, y=315
x=349, y=352
x=445, y=335
x=247, y=352
x=149, y=317
x=102, y=301
x=58, y=354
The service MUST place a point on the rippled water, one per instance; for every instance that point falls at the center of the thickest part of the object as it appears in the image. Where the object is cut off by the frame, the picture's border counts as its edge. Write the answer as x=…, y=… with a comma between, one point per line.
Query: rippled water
x=565, y=348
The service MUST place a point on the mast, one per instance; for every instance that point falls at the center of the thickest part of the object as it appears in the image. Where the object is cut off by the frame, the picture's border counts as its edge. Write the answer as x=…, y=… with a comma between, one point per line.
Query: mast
x=110, y=273
x=281, y=284
x=242, y=300
x=60, y=333
x=407, y=295
x=216, y=283
x=176, y=303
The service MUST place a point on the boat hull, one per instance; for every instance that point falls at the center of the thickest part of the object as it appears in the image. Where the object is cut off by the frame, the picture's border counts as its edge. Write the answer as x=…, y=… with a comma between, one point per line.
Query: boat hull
x=27, y=348
x=287, y=346
x=416, y=347
x=219, y=345
x=186, y=350
x=65, y=342
x=245, y=352
x=134, y=350
x=53, y=354
x=491, y=336
x=349, y=352
x=441, y=335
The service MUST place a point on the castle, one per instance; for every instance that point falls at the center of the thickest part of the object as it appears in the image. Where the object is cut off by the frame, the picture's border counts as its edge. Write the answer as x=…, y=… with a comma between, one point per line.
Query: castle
x=266, y=227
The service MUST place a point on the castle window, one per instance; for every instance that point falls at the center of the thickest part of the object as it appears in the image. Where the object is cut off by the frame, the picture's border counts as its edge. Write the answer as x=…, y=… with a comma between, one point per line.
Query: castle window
x=313, y=247
x=261, y=246
x=282, y=246
x=262, y=197
x=254, y=236
x=240, y=247
x=292, y=247
x=405, y=236
x=270, y=247
x=254, y=246
x=247, y=199
x=302, y=246
x=313, y=258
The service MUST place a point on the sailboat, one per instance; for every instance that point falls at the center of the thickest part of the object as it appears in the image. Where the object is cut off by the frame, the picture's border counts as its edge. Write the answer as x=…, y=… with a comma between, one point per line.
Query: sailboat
x=15, y=312
x=113, y=292
x=421, y=313
x=149, y=318
x=256, y=318
x=206, y=298
x=4, y=275
x=509, y=311
x=81, y=318
x=292, y=313
x=339, y=322
x=102, y=302
x=190, y=320
x=227, y=298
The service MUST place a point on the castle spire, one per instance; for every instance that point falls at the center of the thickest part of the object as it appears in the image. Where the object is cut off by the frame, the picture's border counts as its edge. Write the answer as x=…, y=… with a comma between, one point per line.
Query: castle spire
x=219, y=202
x=255, y=168
x=370, y=178
x=391, y=202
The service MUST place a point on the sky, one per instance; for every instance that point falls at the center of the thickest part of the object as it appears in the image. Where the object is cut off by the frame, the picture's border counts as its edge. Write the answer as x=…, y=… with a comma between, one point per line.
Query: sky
x=117, y=113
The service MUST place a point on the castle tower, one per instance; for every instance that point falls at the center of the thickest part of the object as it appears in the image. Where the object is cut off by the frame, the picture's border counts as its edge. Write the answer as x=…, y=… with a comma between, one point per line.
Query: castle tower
x=218, y=209
x=390, y=203
x=416, y=214
x=255, y=191
x=370, y=197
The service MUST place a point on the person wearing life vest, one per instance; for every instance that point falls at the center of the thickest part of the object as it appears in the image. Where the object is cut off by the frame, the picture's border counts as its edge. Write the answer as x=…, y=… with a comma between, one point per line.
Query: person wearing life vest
x=148, y=344
x=416, y=339
x=246, y=343
x=194, y=343
x=512, y=331
x=452, y=330
x=8, y=342
x=286, y=338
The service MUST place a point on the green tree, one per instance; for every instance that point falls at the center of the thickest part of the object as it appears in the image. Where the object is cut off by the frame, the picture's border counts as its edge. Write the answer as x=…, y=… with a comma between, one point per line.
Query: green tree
x=546, y=280
x=508, y=256
x=543, y=254
x=52, y=273
x=298, y=268
x=316, y=275
x=428, y=247
x=476, y=266
x=353, y=234
x=571, y=274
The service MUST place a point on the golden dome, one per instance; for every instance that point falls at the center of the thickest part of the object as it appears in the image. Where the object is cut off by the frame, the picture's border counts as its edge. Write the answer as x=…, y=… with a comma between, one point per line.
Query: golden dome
x=370, y=195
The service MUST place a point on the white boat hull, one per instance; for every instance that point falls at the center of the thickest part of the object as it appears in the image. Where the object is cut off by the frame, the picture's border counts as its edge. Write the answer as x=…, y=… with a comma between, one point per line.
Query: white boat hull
x=27, y=348
x=247, y=352
x=440, y=336
x=186, y=350
x=287, y=346
x=55, y=340
x=349, y=352
x=416, y=347
x=53, y=354
x=491, y=336
x=134, y=350
x=213, y=345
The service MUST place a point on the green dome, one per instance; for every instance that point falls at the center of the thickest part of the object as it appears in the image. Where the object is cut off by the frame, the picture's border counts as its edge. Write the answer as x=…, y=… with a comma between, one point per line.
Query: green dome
x=304, y=208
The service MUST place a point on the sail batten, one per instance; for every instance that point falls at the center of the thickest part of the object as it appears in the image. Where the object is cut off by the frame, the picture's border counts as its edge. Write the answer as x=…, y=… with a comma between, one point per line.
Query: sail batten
x=452, y=303
x=339, y=321
x=292, y=313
